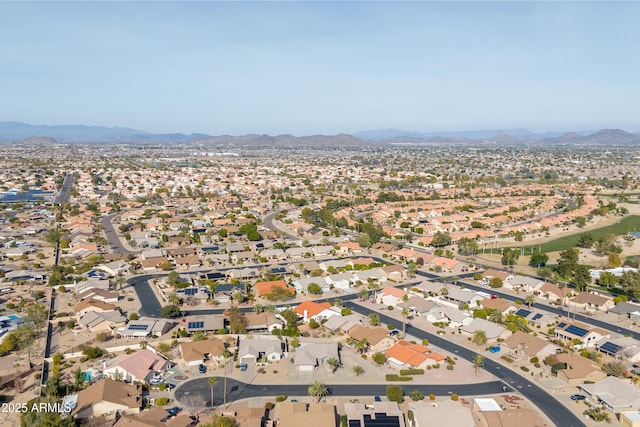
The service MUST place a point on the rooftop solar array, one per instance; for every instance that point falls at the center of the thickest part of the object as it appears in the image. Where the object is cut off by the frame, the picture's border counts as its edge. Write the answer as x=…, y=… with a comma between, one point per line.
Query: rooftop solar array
x=562, y=325
x=522, y=312
x=610, y=347
x=137, y=327
x=381, y=420
x=195, y=325
x=354, y=423
x=575, y=330
x=190, y=291
x=537, y=316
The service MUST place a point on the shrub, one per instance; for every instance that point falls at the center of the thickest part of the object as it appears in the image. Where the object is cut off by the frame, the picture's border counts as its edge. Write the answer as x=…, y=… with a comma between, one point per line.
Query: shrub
x=394, y=377
x=524, y=368
x=449, y=367
x=411, y=371
x=161, y=401
x=507, y=359
x=432, y=396
x=410, y=414
x=92, y=352
x=455, y=397
x=395, y=393
x=281, y=398
x=269, y=406
x=534, y=360
x=416, y=395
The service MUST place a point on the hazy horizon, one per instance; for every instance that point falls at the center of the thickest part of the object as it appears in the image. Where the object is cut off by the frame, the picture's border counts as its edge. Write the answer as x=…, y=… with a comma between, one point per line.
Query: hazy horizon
x=306, y=68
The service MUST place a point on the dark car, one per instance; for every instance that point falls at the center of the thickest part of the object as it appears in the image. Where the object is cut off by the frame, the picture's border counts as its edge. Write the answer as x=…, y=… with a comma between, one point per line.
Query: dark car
x=377, y=399
x=173, y=411
x=578, y=397
x=202, y=369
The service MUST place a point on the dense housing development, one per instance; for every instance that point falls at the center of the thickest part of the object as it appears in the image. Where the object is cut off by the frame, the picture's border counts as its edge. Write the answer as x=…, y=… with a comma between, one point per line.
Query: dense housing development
x=176, y=284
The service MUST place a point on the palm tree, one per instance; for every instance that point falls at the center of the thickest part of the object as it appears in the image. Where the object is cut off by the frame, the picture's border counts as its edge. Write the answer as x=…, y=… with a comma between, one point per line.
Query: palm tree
x=478, y=362
x=444, y=291
x=530, y=299
x=405, y=314
x=317, y=389
x=361, y=345
x=373, y=287
x=495, y=316
x=363, y=294
x=374, y=319
x=479, y=337
x=358, y=370
x=212, y=383
x=173, y=298
x=333, y=363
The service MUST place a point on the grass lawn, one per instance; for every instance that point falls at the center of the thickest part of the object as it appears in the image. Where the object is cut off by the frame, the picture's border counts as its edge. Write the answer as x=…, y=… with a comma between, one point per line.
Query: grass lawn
x=624, y=226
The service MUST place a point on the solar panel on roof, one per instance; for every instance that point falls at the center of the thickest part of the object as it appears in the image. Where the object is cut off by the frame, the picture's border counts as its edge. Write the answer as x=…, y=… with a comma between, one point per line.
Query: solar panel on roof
x=195, y=325
x=522, y=312
x=138, y=327
x=190, y=291
x=575, y=330
x=610, y=347
x=537, y=316
x=381, y=420
x=562, y=325
x=354, y=423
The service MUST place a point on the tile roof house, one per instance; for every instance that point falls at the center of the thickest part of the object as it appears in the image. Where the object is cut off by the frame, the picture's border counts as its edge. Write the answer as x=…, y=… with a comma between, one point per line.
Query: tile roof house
x=613, y=393
x=296, y=414
x=263, y=288
x=527, y=346
x=198, y=352
x=157, y=416
x=253, y=348
x=265, y=321
x=139, y=366
x=591, y=302
x=391, y=296
x=568, y=331
x=91, y=304
x=312, y=310
x=493, y=330
x=108, y=397
x=311, y=355
x=406, y=355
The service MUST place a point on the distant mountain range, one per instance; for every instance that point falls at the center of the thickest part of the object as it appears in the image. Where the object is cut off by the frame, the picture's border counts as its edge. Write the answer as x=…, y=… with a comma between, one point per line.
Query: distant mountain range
x=26, y=133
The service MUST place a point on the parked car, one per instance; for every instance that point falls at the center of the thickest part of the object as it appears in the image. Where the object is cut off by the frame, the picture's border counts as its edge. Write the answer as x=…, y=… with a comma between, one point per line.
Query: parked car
x=202, y=369
x=377, y=399
x=243, y=367
x=173, y=411
x=494, y=349
x=578, y=397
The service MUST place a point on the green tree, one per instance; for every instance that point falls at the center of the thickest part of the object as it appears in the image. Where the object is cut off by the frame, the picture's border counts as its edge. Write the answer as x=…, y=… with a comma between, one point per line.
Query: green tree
x=395, y=393
x=170, y=311
x=314, y=289
x=538, y=259
x=364, y=240
x=33, y=418
x=374, y=319
x=441, y=239
x=358, y=370
x=510, y=256
x=237, y=321
x=613, y=260
x=478, y=362
x=317, y=389
x=530, y=299
x=585, y=240
x=495, y=316
x=333, y=363
x=479, y=337
x=212, y=383
x=467, y=246
x=567, y=262
x=379, y=358
x=495, y=282
x=581, y=277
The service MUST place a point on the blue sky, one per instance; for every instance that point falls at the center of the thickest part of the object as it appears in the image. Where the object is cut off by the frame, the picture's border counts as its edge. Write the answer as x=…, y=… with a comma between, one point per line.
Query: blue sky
x=321, y=67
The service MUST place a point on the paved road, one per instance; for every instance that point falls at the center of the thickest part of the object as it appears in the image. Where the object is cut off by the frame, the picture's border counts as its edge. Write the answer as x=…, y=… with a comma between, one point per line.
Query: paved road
x=267, y=221
x=113, y=238
x=552, y=309
x=150, y=306
x=556, y=411
x=197, y=392
x=65, y=191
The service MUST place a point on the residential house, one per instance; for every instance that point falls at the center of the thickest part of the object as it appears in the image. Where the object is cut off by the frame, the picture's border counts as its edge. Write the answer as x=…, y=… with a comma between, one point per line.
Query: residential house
x=525, y=346
x=377, y=337
x=613, y=393
x=106, y=398
x=108, y=321
x=404, y=355
x=491, y=273
x=145, y=327
x=91, y=304
x=262, y=322
x=588, y=336
x=198, y=352
x=203, y=323
x=263, y=288
x=390, y=296
x=554, y=293
x=141, y=365
x=378, y=414
x=492, y=330
x=301, y=285
x=99, y=295
x=524, y=283
x=340, y=281
x=296, y=414
x=308, y=310
x=446, y=413
x=591, y=302
x=252, y=349
x=157, y=416
x=500, y=304
x=312, y=355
